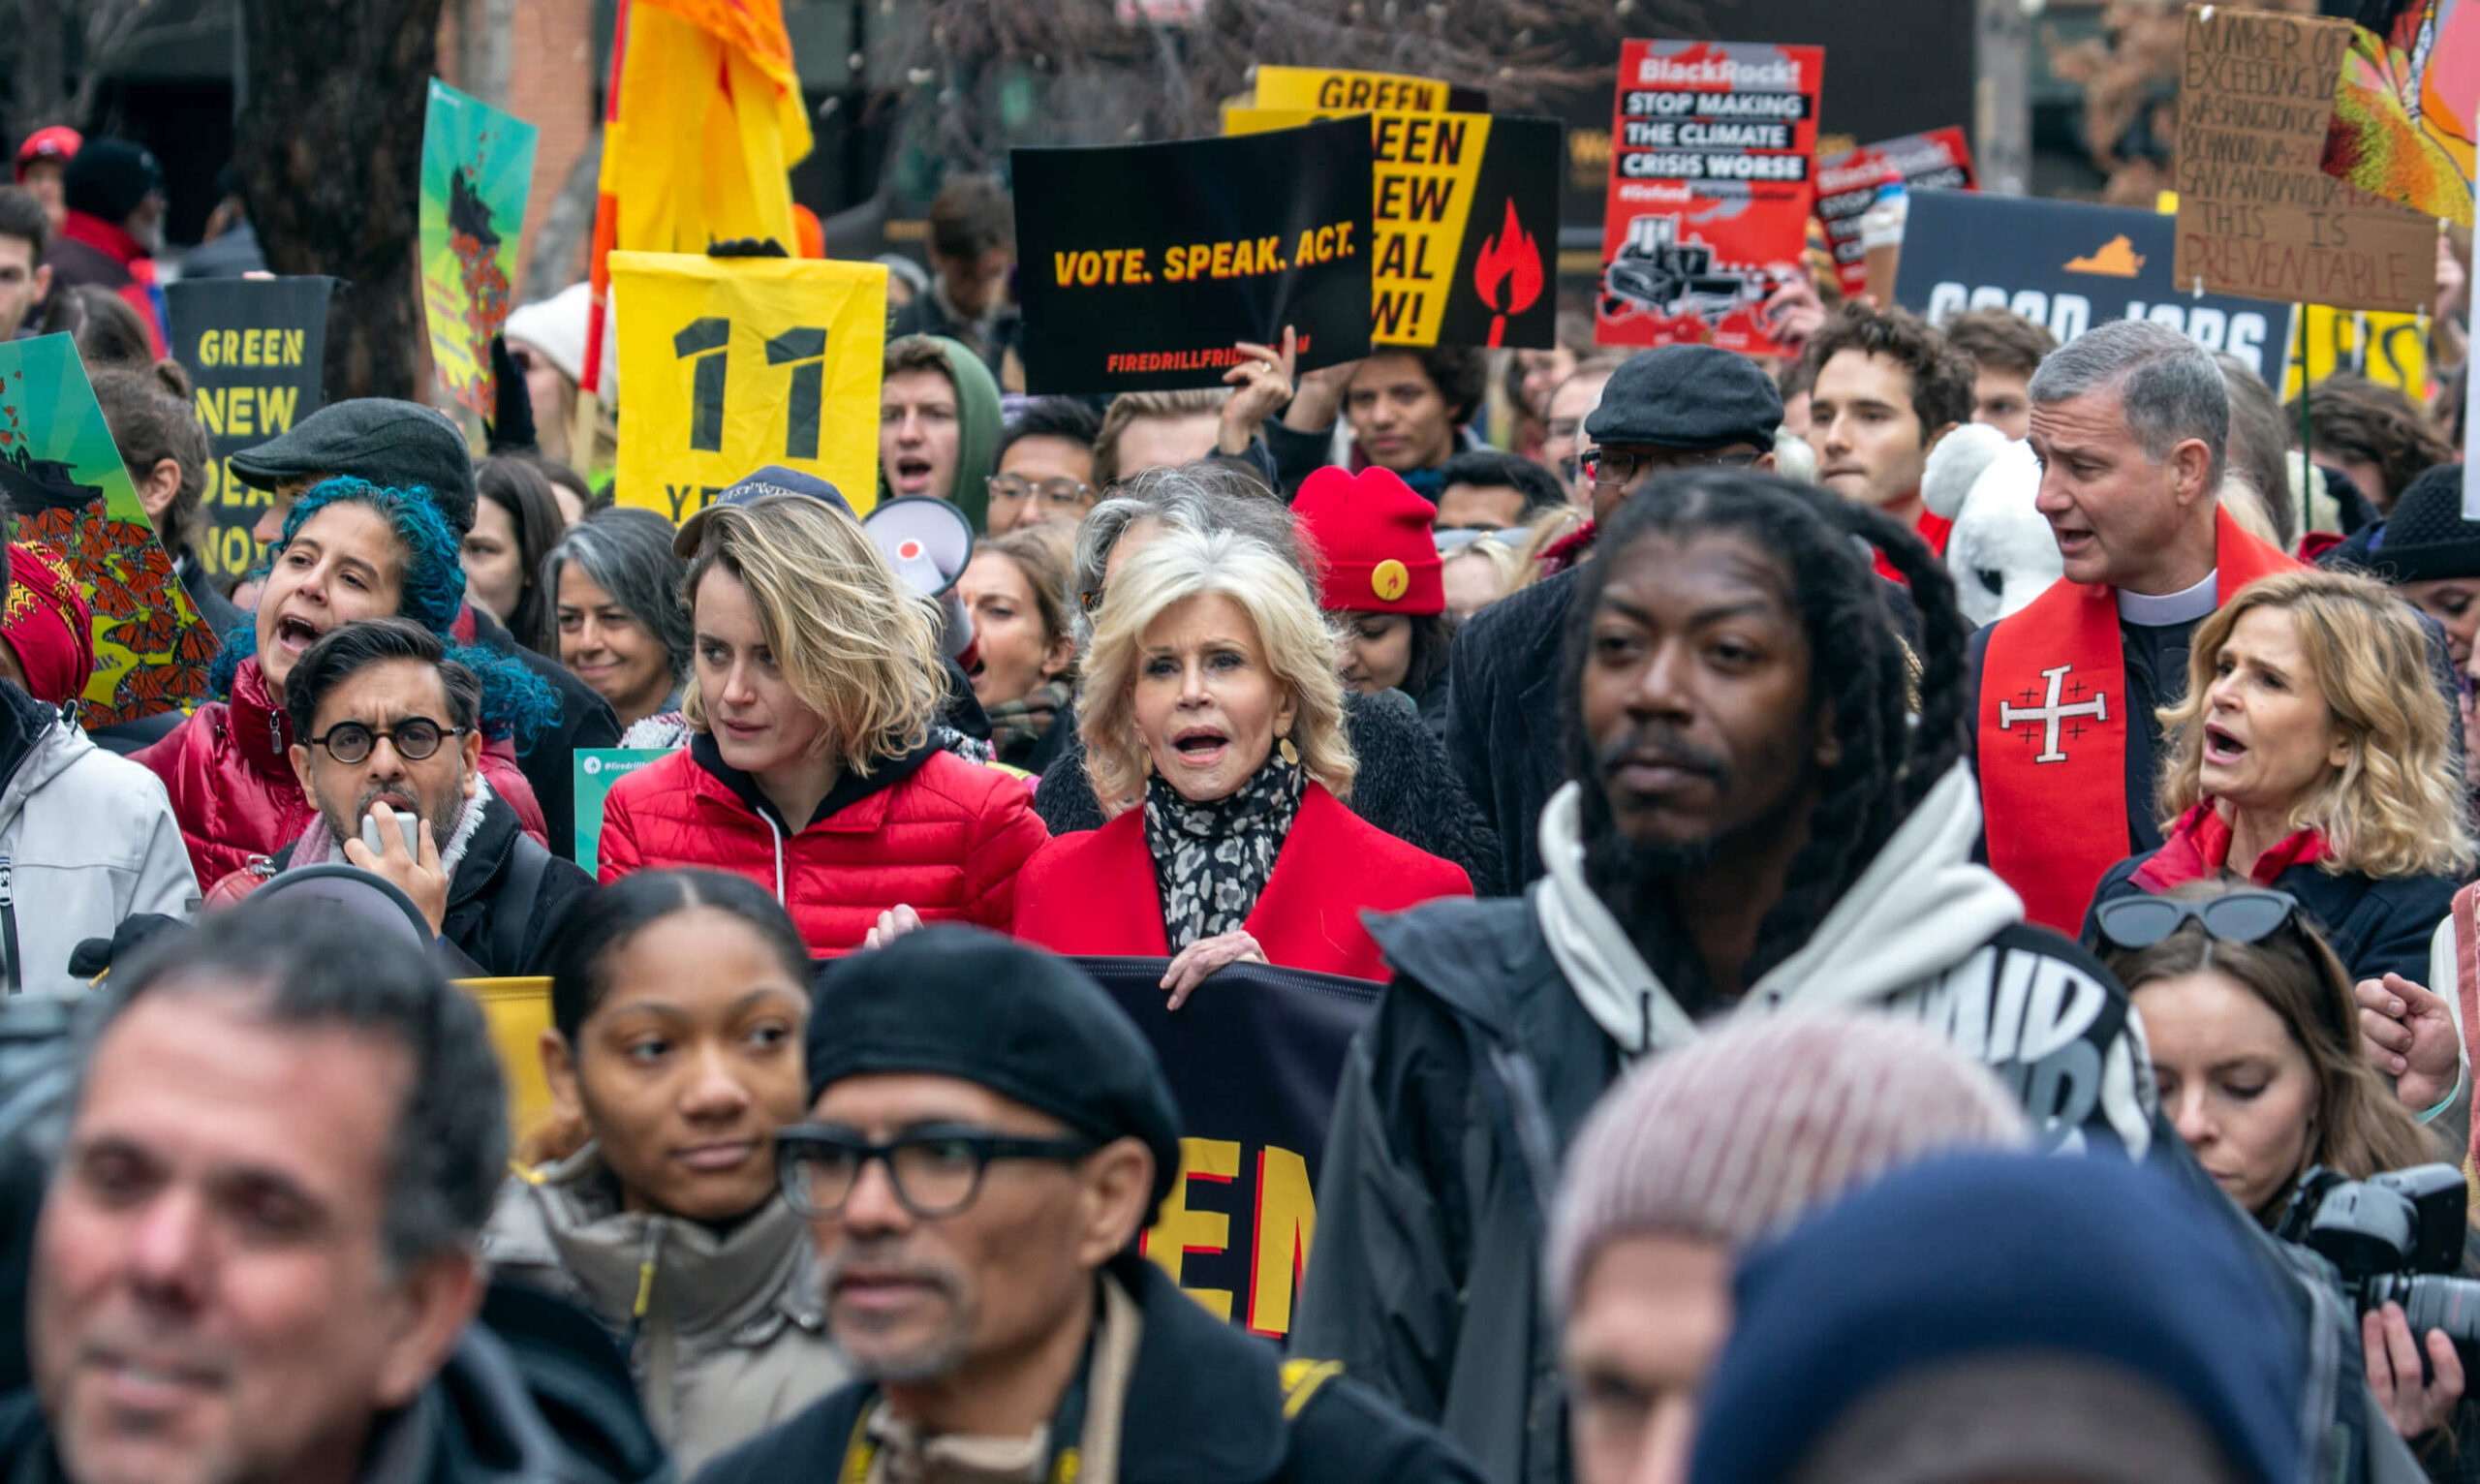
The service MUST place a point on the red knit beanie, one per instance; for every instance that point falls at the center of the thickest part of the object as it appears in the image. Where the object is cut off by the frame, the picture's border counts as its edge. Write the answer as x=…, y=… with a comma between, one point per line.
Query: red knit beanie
x=1374, y=536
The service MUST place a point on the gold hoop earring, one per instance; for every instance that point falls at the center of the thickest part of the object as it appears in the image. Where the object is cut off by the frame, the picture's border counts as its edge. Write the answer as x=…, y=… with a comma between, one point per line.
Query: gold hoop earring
x=1290, y=754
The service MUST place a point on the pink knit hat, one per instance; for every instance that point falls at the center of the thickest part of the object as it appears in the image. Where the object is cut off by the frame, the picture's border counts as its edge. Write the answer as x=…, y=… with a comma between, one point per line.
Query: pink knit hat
x=1736, y=1135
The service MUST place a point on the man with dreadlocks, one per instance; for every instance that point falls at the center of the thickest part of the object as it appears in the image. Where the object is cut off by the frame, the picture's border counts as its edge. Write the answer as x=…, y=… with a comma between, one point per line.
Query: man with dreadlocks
x=1752, y=822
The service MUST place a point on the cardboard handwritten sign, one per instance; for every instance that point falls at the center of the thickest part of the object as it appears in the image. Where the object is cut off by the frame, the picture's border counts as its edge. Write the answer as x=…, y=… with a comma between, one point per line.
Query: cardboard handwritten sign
x=2257, y=214
x=1464, y=219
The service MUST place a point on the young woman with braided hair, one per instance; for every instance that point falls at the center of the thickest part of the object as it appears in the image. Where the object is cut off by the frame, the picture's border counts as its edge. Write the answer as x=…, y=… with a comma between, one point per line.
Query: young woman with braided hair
x=1767, y=808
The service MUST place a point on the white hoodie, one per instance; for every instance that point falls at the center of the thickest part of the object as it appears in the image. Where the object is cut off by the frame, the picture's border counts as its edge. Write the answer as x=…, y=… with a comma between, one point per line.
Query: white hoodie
x=1917, y=934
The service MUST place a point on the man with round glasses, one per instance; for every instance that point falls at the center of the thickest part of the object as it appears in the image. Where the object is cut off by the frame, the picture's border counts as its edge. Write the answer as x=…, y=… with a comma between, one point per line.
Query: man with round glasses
x=387, y=728
x=987, y=1135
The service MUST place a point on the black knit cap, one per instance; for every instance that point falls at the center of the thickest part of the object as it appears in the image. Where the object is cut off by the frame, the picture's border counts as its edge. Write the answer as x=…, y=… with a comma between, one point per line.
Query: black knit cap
x=399, y=445
x=2426, y=539
x=109, y=178
x=961, y=1003
x=1688, y=396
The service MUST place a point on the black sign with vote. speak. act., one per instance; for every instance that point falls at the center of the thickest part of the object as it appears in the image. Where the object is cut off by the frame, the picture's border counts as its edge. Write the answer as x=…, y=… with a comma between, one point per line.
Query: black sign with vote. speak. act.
x=2071, y=267
x=1141, y=266
x=1253, y=1057
x=252, y=348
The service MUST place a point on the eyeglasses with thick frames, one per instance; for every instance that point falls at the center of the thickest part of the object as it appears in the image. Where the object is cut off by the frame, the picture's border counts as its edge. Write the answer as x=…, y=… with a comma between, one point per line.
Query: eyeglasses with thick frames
x=415, y=739
x=935, y=1171
x=1620, y=469
x=1068, y=494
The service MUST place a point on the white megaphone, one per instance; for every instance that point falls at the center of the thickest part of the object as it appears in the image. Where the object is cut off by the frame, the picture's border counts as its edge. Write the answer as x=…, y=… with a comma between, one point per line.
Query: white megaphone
x=928, y=542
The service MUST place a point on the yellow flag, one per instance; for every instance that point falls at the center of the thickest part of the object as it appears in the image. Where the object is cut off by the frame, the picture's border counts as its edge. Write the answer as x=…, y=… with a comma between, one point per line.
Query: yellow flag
x=734, y=363
x=712, y=118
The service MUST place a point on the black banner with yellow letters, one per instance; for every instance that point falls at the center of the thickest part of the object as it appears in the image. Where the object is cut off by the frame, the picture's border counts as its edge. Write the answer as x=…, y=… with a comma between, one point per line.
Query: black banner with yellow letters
x=252, y=348
x=1143, y=265
x=1254, y=1057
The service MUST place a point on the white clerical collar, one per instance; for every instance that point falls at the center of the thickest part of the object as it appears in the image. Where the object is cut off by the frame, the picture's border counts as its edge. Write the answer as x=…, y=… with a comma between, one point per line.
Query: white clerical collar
x=2162, y=610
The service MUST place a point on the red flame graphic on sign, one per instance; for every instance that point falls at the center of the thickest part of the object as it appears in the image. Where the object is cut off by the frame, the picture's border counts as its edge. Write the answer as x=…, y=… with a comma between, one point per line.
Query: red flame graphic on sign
x=1508, y=260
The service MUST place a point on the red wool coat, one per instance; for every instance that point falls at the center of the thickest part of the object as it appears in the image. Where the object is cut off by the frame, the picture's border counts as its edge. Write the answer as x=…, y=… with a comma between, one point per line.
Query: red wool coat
x=233, y=786
x=945, y=839
x=1094, y=893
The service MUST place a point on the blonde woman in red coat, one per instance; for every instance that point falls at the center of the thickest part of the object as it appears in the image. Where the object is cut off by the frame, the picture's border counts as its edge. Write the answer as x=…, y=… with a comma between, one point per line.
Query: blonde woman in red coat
x=1212, y=719
x=810, y=770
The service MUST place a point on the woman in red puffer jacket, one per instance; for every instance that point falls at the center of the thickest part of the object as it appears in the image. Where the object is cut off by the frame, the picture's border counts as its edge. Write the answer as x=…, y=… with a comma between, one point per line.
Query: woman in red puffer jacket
x=812, y=771
x=350, y=550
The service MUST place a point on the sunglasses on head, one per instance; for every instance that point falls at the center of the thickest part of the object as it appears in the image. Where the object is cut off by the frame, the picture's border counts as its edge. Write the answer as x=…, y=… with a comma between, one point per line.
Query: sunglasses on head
x=2238, y=916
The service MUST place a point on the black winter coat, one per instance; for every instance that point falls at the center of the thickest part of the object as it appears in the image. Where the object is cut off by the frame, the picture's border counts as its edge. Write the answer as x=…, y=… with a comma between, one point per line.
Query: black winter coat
x=2376, y=927
x=507, y=896
x=1405, y=787
x=1206, y=1405
x=1502, y=719
x=496, y=1413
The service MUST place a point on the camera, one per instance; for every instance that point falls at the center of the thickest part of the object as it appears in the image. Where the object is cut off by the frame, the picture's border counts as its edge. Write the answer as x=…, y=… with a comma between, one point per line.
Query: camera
x=2391, y=1236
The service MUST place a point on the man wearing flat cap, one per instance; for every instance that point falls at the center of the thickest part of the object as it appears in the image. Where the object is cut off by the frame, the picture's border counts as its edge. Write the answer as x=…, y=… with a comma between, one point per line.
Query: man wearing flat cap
x=987, y=1135
x=1677, y=407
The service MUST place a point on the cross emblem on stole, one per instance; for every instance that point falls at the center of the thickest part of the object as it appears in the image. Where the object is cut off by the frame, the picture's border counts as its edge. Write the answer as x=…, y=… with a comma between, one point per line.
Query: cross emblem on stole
x=2052, y=714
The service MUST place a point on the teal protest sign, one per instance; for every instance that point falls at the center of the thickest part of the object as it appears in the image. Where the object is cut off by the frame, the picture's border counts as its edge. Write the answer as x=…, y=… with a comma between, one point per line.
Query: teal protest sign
x=598, y=768
x=74, y=505
x=478, y=166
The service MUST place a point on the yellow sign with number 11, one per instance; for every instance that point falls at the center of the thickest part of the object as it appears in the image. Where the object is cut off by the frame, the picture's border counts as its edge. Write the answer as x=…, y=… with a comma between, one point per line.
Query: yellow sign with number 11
x=729, y=365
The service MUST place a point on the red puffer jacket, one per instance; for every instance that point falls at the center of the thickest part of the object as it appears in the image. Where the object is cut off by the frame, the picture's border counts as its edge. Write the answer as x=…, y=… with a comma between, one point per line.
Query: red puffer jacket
x=233, y=786
x=930, y=831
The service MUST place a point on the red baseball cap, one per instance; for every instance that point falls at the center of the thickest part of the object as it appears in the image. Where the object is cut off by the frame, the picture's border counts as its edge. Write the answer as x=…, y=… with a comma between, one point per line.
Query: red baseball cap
x=1373, y=534
x=57, y=143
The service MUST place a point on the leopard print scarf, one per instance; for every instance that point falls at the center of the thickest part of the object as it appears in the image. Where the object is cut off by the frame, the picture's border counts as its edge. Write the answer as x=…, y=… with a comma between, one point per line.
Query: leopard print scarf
x=1212, y=860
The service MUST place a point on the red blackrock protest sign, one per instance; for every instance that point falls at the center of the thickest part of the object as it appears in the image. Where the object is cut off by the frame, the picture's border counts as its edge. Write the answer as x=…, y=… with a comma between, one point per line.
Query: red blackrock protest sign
x=1712, y=145
x=1849, y=183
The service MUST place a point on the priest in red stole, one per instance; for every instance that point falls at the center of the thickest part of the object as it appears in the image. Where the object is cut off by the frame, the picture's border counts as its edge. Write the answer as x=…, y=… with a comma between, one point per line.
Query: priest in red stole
x=2128, y=420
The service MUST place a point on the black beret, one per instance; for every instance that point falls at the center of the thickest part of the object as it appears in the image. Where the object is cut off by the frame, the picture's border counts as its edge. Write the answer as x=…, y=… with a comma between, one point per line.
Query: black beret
x=2424, y=540
x=961, y=1003
x=399, y=444
x=1688, y=396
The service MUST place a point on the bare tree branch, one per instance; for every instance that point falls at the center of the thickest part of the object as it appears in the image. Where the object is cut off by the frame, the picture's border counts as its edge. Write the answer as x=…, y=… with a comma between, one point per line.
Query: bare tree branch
x=1104, y=82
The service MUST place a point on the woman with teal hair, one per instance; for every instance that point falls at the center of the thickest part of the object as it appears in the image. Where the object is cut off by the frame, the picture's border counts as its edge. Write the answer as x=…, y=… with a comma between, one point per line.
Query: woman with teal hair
x=350, y=550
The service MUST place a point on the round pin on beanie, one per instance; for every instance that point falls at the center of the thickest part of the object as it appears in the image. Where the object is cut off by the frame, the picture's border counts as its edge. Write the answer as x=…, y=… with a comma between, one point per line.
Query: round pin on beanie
x=1374, y=536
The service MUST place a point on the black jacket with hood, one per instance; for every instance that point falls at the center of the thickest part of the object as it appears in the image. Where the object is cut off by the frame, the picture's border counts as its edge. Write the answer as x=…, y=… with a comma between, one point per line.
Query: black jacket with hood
x=1507, y=1019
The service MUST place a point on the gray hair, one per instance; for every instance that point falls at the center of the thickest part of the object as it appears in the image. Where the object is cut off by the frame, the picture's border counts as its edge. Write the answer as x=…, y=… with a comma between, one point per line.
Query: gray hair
x=292, y=970
x=627, y=553
x=1203, y=497
x=2169, y=388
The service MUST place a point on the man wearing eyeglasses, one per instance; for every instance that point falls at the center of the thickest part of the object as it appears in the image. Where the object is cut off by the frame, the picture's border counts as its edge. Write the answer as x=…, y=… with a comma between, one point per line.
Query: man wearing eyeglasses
x=987, y=1134
x=1677, y=407
x=388, y=731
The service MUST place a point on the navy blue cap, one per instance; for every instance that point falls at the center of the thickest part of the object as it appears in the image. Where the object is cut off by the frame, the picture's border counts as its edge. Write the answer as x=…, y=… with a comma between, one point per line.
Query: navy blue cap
x=2088, y=1260
x=772, y=479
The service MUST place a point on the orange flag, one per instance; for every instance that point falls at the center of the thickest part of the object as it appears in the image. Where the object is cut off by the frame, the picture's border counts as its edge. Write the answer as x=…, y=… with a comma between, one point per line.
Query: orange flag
x=704, y=119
